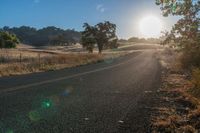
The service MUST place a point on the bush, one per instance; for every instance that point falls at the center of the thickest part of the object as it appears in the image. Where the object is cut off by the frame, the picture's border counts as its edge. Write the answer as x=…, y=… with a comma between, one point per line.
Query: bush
x=8, y=40
x=196, y=82
x=196, y=77
x=10, y=44
x=191, y=58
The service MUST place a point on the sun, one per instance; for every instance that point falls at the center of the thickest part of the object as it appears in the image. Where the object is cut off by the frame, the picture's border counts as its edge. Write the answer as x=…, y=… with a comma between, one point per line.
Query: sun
x=150, y=26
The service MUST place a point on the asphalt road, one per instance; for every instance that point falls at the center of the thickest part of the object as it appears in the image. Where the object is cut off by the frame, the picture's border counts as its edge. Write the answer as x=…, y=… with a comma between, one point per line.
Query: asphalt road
x=114, y=96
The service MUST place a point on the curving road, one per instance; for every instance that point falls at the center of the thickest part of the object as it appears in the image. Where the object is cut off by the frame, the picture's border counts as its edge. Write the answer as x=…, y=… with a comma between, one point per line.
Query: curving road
x=114, y=96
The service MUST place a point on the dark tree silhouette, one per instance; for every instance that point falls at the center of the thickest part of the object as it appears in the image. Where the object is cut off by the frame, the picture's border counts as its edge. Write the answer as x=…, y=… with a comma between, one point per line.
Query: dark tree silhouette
x=45, y=36
x=88, y=39
x=103, y=34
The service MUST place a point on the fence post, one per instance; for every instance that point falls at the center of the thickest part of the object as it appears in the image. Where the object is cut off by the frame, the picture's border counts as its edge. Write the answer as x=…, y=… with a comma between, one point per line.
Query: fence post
x=20, y=58
x=39, y=57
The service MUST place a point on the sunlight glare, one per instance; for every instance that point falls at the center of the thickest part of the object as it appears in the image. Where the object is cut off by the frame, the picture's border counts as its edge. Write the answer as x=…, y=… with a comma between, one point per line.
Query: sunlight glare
x=150, y=26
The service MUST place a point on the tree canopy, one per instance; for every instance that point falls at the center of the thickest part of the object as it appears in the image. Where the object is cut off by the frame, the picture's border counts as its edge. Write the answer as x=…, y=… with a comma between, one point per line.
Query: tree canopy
x=187, y=28
x=103, y=34
x=186, y=32
x=88, y=37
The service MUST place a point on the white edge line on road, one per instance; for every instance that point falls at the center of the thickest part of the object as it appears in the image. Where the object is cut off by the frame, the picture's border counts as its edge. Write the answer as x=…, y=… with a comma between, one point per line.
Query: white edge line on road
x=64, y=78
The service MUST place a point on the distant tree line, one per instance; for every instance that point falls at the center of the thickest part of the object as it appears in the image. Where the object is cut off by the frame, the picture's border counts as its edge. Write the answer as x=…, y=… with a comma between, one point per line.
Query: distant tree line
x=45, y=36
x=142, y=40
x=103, y=35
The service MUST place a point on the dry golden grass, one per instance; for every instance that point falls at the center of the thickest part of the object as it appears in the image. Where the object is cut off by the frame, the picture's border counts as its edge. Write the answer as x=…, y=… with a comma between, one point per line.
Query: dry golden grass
x=186, y=129
x=161, y=124
x=166, y=111
x=165, y=124
x=169, y=59
x=15, y=62
x=173, y=61
x=169, y=120
x=195, y=90
x=183, y=112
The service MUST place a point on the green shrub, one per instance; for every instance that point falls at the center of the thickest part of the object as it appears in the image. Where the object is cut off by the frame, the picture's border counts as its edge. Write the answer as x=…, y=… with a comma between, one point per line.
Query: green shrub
x=10, y=44
x=8, y=40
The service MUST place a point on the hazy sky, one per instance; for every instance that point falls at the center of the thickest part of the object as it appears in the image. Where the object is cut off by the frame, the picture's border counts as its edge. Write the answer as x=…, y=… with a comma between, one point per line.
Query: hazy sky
x=73, y=13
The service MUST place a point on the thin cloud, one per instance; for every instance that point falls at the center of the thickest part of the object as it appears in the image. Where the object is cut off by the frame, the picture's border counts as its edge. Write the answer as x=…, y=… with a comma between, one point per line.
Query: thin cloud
x=100, y=8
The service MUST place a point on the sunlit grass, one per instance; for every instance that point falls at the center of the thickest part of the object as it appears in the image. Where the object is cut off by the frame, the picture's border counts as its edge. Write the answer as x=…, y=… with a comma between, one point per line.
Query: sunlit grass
x=15, y=62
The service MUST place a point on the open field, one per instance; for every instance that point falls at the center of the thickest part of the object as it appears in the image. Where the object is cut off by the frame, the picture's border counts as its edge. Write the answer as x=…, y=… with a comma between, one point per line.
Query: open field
x=27, y=59
x=14, y=62
x=77, y=48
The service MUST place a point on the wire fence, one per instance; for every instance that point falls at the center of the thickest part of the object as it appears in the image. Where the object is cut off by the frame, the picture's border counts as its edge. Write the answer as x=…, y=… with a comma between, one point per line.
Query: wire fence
x=19, y=58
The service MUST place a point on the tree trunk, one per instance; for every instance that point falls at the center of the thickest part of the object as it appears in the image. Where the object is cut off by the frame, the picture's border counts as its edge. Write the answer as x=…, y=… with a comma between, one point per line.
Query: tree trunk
x=100, y=47
x=90, y=51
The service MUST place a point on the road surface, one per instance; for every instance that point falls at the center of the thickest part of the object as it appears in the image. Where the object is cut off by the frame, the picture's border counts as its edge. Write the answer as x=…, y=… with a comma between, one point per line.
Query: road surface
x=114, y=96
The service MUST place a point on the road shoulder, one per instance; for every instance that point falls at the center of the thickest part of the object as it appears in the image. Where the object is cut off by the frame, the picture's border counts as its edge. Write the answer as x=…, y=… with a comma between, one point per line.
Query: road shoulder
x=176, y=110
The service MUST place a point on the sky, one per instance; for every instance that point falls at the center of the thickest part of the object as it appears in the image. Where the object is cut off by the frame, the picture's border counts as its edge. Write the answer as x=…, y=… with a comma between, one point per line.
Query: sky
x=71, y=14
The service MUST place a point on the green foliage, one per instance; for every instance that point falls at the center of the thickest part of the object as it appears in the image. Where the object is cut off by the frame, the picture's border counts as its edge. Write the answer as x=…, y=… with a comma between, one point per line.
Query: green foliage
x=102, y=34
x=45, y=36
x=87, y=38
x=8, y=40
x=185, y=33
x=178, y=7
x=88, y=43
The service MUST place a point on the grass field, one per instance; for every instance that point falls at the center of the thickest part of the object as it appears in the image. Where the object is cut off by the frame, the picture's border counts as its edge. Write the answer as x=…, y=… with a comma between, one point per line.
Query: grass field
x=26, y=59
x=15, y=61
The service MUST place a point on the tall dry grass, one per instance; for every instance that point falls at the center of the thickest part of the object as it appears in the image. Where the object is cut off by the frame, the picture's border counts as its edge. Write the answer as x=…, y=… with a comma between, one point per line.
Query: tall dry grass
x=14, y=62
x=195, y=90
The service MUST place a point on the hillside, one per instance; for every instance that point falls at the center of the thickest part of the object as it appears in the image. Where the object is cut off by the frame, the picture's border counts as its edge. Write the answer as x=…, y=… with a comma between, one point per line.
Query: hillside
x=44, y=37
